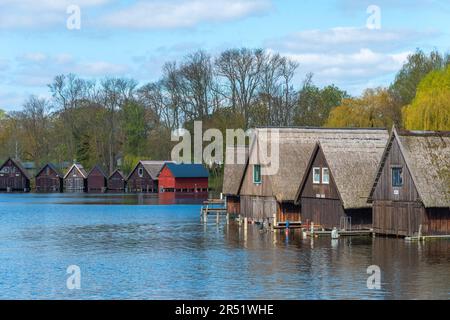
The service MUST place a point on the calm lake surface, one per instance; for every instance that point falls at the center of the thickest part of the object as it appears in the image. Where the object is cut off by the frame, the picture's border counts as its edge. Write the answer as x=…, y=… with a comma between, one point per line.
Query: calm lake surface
x=142, y=247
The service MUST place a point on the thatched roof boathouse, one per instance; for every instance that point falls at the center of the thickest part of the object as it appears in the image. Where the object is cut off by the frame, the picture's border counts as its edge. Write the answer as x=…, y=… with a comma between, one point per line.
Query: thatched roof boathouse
x=273, y=196
x=233, y=171
x=411, y=192
x=338, y=180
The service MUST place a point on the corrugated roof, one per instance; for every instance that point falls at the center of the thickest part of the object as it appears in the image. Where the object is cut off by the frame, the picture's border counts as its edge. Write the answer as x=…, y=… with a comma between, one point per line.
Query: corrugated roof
x=234, y=170
x=427, y=155
x=53, y=167
x=117, y=171
x=295, y=147
x=152, y=167
x=99, y=168
x=79, y=167
x=185, y=170
x=19, y=165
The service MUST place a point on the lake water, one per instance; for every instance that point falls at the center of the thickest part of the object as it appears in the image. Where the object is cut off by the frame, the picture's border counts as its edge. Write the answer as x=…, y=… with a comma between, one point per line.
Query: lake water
x=144, y=247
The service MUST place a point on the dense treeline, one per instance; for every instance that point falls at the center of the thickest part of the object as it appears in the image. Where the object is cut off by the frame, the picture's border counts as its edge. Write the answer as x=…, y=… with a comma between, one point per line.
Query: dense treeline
x=115, y=118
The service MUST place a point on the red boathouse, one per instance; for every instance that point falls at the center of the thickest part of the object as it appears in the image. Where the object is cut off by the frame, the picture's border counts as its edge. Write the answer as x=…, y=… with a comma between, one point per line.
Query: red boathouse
x=96, y=180
x=116, y=181
x=49, y=179
x=183, y=178
x=14, y=177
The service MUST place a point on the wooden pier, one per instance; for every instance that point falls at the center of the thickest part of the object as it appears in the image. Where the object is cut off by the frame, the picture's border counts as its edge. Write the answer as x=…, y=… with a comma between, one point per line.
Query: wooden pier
x=216, y=207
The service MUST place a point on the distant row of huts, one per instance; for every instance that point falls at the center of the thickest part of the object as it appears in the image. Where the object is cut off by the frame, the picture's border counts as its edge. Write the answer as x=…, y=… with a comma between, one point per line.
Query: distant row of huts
x=396, y=184
x=146, y=177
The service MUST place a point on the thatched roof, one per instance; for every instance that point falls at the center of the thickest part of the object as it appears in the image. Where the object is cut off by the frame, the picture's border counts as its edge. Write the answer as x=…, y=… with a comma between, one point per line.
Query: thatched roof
x=234, y=169
x=427, y=156
x=353, y=166
x=295, y=148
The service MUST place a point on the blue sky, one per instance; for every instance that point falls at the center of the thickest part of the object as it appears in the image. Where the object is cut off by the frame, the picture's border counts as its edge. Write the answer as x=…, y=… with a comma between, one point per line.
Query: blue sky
x=134, y=38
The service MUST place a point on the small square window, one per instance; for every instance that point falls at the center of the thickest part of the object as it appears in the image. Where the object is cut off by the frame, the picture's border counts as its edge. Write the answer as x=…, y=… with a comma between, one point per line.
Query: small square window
x=397, y=177
x=325, y=176
x=257, y=174
x=316, y=175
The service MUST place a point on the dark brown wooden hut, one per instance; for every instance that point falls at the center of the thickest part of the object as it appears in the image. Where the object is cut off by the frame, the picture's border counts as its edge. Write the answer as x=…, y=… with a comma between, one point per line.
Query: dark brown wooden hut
x=75, y=179
x=49, y=179
x=264, y=195
x=233, y=172
x=338, y=180
x=411, y=192
x=116, y=182
x=96, y=180
x=144, y=177
x=14, y=177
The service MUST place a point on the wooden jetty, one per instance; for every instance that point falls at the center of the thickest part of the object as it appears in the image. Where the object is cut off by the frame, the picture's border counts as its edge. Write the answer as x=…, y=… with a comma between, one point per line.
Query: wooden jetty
x=342, y=233
x=215, y=207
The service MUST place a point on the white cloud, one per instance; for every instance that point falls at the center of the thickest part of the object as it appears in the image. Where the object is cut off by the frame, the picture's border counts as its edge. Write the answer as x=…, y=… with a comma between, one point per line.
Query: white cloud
x=35, y=56
x=347, y=39
x=39, y=14
x=182, y=13
x=352, y=58
x=100, y=68
x=38, y=69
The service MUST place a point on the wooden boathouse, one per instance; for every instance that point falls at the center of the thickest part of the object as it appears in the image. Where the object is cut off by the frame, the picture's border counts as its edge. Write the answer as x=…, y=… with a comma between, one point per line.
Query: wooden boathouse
x=338, y=180
x=49, y=179
x=183, y=177
x=271, y=195
x=96, y=180
x=411, y=192
x=233, y=172
x=116, y=181
x=14, y=177
x=75, y=179
x=144, y=177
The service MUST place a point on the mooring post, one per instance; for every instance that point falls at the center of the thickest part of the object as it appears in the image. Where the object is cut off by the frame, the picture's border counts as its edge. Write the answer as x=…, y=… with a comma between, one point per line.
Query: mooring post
x=245, y=223
x=217, y=217
x=228, y=218
x=312, y=228
x=420, y=231
x=274, y=218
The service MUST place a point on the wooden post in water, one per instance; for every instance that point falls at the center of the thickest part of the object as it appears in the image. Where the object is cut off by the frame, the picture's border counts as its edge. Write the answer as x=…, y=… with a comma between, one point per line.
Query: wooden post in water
x=217, y=217
x=274, y=220
x=312, y=228
x=245, y=224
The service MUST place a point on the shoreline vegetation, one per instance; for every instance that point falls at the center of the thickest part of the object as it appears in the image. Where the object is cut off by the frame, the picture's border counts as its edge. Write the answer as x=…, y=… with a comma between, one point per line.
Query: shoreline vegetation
x=115, y=122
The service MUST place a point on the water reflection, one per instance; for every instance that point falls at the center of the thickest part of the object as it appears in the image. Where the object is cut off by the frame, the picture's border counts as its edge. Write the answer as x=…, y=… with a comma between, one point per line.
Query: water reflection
x=159, y=251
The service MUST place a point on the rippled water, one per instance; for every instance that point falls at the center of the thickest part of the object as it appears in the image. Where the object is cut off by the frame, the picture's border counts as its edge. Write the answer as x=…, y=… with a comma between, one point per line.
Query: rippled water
x=144, y=247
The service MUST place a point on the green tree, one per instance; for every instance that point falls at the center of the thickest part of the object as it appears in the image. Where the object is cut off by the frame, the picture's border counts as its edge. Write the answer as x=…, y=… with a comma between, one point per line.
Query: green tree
x=135, y=128
x=372, y=109
x=315, y=104
x=430, y=109
x=418, y=65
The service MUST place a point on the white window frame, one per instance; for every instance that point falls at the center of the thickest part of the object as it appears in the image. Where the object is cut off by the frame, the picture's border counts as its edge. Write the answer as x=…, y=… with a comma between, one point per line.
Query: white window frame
x=328, y=175
x=314, y=175
x=140, y=172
